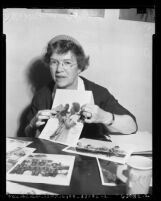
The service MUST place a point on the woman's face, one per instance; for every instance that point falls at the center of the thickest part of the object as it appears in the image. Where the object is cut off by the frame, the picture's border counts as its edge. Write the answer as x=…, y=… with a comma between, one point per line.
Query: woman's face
x=64, y=70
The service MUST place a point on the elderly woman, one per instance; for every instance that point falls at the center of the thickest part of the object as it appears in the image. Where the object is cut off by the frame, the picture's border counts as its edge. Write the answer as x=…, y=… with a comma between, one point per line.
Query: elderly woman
x=66, y=60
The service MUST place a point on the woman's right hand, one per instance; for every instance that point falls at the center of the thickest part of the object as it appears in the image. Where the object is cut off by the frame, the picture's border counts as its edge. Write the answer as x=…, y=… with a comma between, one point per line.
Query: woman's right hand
x=41, y=117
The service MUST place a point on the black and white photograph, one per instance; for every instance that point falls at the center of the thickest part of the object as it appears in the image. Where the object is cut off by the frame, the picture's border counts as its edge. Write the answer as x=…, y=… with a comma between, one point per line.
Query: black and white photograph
x=43, y=168
x=102, y=149
x=108, y=172
x=75, y=74
x=66, y=124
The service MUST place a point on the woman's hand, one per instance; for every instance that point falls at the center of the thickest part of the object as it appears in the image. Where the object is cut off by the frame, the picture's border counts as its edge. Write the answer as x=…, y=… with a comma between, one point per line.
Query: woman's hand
x=41, y=117
x=94, y=114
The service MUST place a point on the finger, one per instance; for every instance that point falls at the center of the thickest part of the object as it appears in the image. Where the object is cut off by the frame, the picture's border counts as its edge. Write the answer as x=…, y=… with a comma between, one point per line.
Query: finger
x=84, y=107
x=44, y=112
x=58, y=108
x=39, y=123
x=42, y=117
x=41, y=111
x=53, y=111
x=88, y=121
x=87, y=114
x=87, y=109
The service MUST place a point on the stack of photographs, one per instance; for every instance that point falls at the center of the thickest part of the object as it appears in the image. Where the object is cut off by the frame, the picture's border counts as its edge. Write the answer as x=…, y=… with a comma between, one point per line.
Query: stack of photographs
x=13, y=156
x=12, y=144
x=16, y=149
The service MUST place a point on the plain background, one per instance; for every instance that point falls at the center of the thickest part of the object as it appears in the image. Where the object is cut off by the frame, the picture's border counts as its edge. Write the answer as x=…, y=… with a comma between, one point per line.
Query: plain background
x=120, y=58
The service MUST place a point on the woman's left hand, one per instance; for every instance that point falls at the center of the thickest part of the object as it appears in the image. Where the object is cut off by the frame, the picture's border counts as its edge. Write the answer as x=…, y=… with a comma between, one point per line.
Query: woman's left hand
x=94, y=114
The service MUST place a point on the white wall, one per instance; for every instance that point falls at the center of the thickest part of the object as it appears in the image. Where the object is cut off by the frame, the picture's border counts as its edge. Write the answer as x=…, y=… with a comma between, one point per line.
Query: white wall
x=120, y=57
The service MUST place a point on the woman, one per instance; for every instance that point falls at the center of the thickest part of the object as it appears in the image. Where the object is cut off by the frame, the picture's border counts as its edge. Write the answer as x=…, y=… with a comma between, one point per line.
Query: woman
x=66, y=60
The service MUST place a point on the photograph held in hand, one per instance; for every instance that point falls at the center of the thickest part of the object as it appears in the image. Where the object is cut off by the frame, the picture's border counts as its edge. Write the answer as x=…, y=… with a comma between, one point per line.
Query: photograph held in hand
x=67, y=119
x=66, y=125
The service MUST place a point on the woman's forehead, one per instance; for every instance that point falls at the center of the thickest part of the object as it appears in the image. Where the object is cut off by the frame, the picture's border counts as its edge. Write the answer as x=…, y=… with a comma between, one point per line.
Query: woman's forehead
x=67, y=55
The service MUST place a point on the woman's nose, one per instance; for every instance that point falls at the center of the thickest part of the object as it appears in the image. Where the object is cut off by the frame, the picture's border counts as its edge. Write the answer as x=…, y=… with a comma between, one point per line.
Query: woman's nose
x=60, y=66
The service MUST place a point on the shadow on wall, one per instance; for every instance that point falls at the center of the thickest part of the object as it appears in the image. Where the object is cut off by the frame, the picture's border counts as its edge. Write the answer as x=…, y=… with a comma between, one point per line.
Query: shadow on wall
x=38, y=75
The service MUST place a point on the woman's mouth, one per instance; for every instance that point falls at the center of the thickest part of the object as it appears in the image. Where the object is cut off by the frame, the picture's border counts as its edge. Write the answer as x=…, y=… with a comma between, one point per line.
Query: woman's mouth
x=60, y=76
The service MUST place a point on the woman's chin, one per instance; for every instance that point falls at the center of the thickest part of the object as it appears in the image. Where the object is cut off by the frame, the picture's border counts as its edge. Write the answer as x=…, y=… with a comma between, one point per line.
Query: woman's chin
x=61, y=85
x=65, y=85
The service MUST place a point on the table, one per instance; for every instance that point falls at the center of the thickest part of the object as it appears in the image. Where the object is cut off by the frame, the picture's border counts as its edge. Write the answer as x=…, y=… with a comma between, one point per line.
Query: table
x=85, y=179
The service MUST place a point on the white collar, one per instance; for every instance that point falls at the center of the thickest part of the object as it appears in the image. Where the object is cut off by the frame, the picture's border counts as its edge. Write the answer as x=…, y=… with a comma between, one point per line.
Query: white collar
x=80, y=84
x=81, y=87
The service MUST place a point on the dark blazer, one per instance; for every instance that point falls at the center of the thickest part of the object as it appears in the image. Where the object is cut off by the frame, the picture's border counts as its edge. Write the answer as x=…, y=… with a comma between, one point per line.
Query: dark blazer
x=102, y=97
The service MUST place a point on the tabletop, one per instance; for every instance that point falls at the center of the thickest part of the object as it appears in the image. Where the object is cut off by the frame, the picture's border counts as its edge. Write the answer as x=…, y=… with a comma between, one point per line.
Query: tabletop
x=85, y=179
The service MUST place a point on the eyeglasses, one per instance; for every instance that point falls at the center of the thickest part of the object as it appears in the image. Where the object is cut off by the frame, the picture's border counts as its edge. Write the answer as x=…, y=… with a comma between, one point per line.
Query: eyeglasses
x=66, y=64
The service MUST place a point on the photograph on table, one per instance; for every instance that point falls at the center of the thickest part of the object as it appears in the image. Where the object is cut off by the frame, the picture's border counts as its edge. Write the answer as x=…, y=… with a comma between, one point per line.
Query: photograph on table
x=66, y=125
x=12, y=157
x=15, y=188
x=11, y=143
x=102, y=149
x=108, y=172
x=142, y=141
x=43, y=168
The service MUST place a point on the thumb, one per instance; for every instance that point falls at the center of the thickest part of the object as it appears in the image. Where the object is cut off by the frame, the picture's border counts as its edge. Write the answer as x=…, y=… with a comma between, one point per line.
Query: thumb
x=89, y=121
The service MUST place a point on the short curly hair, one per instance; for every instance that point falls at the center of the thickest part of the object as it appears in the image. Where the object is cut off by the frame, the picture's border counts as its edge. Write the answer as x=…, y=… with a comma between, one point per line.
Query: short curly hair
x=63, y=46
